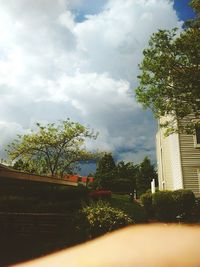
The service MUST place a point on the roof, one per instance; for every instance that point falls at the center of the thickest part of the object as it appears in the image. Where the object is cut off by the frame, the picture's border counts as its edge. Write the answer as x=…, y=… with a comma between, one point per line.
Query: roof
x=9, y=173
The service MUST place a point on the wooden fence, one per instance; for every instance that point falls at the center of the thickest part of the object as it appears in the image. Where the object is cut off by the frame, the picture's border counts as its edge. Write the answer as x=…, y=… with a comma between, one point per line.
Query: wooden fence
x=27, y=235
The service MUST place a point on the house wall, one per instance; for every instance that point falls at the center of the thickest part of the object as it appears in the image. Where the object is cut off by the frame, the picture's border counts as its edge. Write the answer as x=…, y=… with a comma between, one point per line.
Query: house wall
x=178, y=160
x=190, y=157
x=176, y=163
x=169, y=161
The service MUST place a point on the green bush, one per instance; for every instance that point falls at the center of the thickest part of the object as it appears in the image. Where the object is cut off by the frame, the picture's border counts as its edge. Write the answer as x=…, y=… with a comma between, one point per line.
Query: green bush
x=164, y=206
x=146, y=200
x=130, y=207
x=26, y=196
x=196, y=210
x=119, y=185
x=167, y=205
x=100, y=218
x=185, y=201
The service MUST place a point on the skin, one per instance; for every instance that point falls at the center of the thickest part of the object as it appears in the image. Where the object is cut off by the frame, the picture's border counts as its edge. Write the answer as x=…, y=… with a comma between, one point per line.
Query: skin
x=136, y=246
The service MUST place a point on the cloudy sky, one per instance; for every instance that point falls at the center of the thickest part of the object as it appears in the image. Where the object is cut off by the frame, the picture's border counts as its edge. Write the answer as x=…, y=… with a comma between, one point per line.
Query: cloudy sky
x=79, y=59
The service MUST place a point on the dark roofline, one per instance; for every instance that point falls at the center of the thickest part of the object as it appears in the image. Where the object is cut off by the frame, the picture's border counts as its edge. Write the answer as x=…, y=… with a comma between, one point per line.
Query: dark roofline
x=9, y=173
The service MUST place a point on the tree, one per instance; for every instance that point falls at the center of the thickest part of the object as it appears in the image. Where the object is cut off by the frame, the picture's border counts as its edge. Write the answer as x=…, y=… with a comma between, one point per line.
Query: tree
x=170, y=75
x=53, y=149
x=145, y=174
x=106, y=170
x=127, y=172
x=23, y=166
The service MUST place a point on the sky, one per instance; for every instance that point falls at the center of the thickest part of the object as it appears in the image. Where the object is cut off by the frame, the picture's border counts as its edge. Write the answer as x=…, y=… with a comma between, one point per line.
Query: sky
x=79, y=59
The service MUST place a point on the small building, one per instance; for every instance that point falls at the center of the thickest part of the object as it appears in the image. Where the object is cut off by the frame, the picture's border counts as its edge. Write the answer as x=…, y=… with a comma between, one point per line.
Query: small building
x=9, y=175
x=178, y=160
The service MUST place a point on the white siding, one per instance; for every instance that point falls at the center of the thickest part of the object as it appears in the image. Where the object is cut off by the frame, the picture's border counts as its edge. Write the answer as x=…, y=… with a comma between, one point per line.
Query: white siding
x=159, y=161
x=169, y=161
x=176, y=161
x=190, y=157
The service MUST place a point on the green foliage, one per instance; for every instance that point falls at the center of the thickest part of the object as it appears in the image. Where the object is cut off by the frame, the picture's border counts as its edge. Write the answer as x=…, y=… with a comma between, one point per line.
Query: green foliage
x=146, y=200
x=165, y=206
x=124, y=177
x=100, y=218
x=194, y=23
x=145, y=174
x=170, y=75
x=52, y=149
x=130, y=207
x=120, y=185
x=169, y=205
x=185, y=201
x=126, y=173
x=196, y=210
x=27, y=196
x=106, y=171
x=24, y=166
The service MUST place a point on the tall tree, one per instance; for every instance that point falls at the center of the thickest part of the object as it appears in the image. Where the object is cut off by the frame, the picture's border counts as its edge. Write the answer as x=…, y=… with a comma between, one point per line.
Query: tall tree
x=53, y=149
x=146, y=173
x=106, y=170
x=170, y=75
x=127, y=173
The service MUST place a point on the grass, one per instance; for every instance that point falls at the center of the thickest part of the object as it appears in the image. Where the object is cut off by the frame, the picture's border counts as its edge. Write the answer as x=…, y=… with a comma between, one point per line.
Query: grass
x=133, y=209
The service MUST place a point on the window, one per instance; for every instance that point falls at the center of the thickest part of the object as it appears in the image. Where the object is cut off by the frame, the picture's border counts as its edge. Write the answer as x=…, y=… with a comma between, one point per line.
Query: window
x=197, y=137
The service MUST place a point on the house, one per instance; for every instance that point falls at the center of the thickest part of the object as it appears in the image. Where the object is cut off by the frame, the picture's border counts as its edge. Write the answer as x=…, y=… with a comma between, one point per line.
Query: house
x=178, y=159
x=10, y=175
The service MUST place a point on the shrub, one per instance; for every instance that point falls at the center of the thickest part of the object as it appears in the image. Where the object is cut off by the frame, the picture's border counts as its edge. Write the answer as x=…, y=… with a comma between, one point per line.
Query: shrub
x=120, y=185
x=134, y=209
x=100, y=218
x=146, y=200
x=185, y=201
x=164, y=205
x=196, y=210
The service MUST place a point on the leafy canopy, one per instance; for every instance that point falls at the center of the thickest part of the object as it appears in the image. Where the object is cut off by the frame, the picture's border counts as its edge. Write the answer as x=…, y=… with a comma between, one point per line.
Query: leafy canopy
x=170, y=75
x=124, y=176
x=53, y=149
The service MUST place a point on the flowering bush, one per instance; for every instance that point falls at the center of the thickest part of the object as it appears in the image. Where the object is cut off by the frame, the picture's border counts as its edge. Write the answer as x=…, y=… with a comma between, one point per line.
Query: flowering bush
x=100, y=218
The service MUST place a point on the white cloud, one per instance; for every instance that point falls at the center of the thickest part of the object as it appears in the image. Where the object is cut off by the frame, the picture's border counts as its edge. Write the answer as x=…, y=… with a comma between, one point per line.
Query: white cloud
x=54, y=65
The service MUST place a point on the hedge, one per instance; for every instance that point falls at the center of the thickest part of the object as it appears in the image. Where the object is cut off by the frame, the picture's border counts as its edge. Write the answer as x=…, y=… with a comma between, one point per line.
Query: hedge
x=146, y=200
x=185, y=201
x=169, y=205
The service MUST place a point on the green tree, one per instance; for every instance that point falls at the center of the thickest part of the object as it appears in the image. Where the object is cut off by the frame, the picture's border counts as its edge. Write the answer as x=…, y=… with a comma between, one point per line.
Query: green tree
x=106, y=170
x=53, y=149
x=145, y=174
x=127, y=172
x=170, y=75
x=23, y=166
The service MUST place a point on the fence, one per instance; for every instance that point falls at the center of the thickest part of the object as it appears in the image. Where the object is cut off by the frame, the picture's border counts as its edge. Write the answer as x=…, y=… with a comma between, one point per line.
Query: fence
x=27, y=235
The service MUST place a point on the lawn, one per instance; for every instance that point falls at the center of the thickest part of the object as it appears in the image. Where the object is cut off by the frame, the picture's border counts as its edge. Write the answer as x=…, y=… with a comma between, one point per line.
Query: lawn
x=133, y=209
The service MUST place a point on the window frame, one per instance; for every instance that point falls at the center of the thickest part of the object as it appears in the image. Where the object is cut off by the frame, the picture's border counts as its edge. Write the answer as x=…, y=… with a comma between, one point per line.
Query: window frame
x=196, y=143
